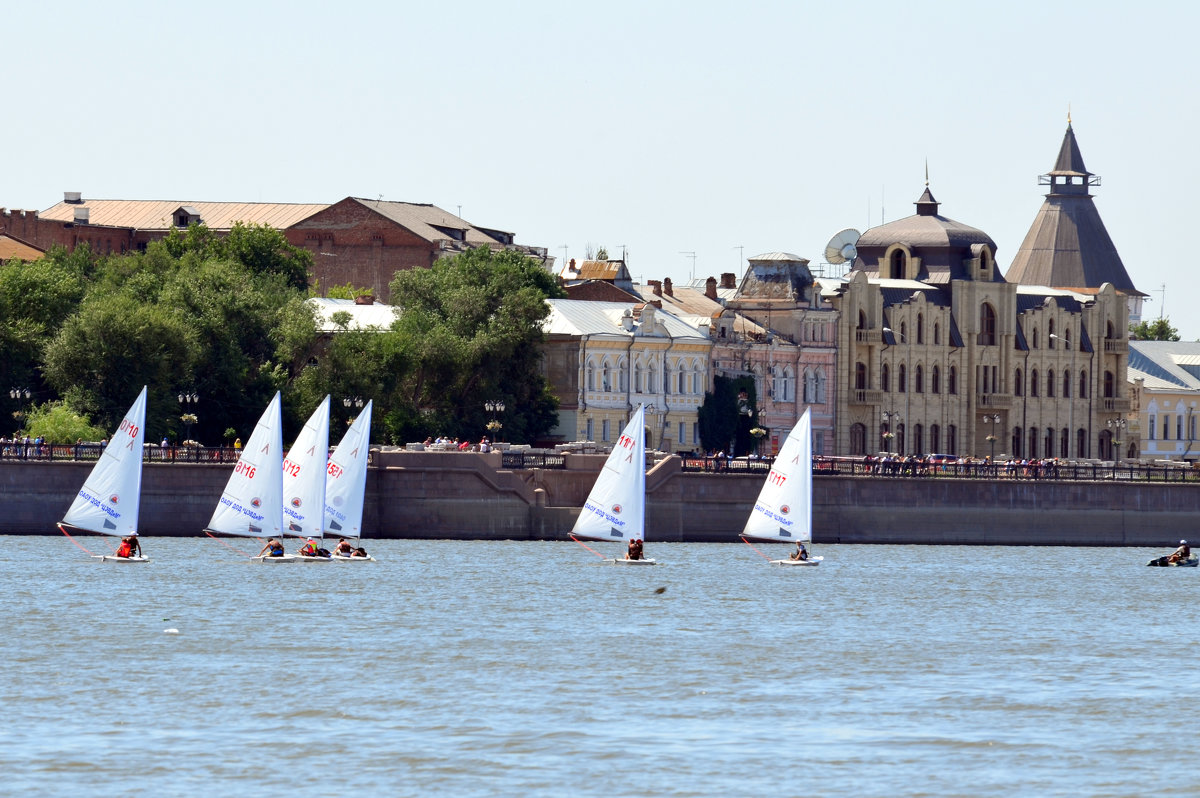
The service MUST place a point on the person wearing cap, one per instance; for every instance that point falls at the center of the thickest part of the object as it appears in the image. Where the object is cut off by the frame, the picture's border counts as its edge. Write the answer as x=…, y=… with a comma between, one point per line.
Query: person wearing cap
x=309, y=549
x=130, y=547
x=1182, y=553
x=800, y=553
x=635, y=551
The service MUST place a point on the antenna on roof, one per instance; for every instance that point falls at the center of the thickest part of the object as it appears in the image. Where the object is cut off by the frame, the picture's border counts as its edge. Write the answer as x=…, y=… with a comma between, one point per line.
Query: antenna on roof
x=691, y=255
x=842, y=247
x=1163, y=303
x=741, y=254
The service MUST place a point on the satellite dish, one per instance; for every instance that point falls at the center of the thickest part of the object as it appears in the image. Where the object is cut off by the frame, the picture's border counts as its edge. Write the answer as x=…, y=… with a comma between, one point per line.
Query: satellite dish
x=841, y=247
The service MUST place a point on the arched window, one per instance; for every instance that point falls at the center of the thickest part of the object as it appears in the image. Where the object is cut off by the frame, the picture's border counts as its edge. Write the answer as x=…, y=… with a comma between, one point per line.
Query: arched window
x=897, y=264
x=920, y=386
x=1050, y=340
x=1108, y=333
x=682, y=381
x=935, y=380
x=1050, y=384
x=885, y=383
x=1064, y=443
x=819, y=381
x=937, y=334
x=858, y=439
x=1081, y=442
x=952, y=384
x=650, y=378
x=919, y=439
x=935, y=438
x=1083, y=386
x=987, y=325
x=860, y=376
x=1018, y=387
x=862, y=320
x=637, y=378
x=951, y=439
x=591, y=375
x=903, y=332
x=902, y=382
x=1033, y=442
x=920, y=328
x=1066, y=383
x=1034, y=340
x=1109, y=385
x=1016, y=442
x=1033, y=383
x=605, y=378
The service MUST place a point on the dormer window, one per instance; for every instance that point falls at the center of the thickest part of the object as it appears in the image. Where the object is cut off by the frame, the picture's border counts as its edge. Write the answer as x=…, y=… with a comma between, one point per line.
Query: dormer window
x=186, y=216
x=897, y=265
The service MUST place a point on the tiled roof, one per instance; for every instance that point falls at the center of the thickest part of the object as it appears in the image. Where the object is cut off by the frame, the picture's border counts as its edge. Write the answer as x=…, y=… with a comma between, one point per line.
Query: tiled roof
x=16, y=248
x=159, y=214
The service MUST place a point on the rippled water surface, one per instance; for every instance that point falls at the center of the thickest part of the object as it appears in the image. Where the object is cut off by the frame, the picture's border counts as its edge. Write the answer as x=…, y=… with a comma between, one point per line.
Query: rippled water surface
x=505, y=668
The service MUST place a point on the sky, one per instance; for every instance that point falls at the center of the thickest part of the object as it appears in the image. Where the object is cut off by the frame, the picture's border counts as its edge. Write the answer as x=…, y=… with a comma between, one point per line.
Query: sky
x=689, y=136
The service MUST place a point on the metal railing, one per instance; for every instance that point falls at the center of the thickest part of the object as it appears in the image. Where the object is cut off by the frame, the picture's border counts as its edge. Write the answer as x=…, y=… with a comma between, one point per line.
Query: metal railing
x=92, y=451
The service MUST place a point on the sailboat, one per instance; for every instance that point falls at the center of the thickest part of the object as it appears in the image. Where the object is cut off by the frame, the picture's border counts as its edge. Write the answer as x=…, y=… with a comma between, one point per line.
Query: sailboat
x=346, y=483
x=252, y=504
x=109, y=499
x=616, y=508
x=304, y=481
x=783, y=511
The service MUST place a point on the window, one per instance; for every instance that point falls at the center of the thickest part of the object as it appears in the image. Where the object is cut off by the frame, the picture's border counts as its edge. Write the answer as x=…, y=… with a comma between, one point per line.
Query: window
x=937, y=334
x=1064, y=441
x=1033, y=383
x=1034, y=341
x=604, y=430
x=605, y=378
x=1066, y=384
x=1151, y=425
x=885, y=382
x=682, y=433
x=920, y=328
x=920, y=382
x=591, y=432
x=935, y=438
x=1050, y=339
x=1166, y=427
x=1049, y=442
x=1109, y=385
x=637, y=378
x=860, y=376
x=862, y=320
x=858, y=439
x=935, y=380
x=902, y=382
x=919, y=439
x=897, y=264
x=1018, y=388
x=987, y=325
x=591, y=376
x=683, y=383
x=1016, y=442
x=1050, y=382
x=1083, y=386
x=1081, y=443
x=951, y=439
x=952, y=388
x=1033, y=442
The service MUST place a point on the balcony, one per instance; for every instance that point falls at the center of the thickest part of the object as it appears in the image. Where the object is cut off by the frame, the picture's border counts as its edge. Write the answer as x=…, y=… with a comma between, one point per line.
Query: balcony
x=868, y=336
x=997, y=401
x=1114, y=346
x=860, y=396
x=1112, y=404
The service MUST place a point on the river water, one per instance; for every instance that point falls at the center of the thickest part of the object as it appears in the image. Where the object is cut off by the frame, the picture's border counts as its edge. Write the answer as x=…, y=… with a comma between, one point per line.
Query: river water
x=531, y=669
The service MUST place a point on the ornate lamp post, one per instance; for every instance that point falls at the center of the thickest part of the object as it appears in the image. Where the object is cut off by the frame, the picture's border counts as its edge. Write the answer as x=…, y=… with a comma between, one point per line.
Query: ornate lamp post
x=758, y=433
x=1117, y=425
x=1070, y=400
x=186, y=400
x=494, y=406
x=888, y=417
x=992, y=420
x=356, y=403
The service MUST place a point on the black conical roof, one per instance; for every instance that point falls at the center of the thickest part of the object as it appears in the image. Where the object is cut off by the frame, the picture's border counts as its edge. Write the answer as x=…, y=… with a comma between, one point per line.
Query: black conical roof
x=1070, y=160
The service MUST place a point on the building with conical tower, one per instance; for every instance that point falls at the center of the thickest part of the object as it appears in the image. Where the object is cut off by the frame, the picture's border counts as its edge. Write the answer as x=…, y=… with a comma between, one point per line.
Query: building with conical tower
x=939, y=353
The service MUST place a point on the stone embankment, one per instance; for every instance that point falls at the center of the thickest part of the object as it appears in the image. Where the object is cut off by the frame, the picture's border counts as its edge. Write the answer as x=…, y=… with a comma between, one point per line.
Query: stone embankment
x=469, y=496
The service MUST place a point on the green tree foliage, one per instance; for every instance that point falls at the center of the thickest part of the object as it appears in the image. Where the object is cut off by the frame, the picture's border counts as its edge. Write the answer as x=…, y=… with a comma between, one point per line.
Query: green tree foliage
x=727, y=416
x=58, y=423
x=469, y=330
x=1156, y=330
x=261, y=249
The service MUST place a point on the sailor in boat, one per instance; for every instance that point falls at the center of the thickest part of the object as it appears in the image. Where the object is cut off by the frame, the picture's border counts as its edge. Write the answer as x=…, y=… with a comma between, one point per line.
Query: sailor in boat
x=1180, y=554
x=800, y=553
x=309, y=549
x=635, y=550
x=360, y=552
x=130, y=547
x=274, y=548
x=343, y=548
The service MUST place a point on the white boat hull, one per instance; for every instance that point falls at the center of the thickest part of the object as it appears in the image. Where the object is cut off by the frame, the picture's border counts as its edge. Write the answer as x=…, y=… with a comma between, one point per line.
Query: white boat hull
x=115, y=558
x=623, y=561
x=809, y=561
x=305, y=558
x=264, y=558
x=340, y=558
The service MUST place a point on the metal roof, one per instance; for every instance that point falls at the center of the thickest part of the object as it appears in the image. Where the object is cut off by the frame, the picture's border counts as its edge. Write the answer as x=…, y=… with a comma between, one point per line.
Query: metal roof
x=1165, y=365
x=424, y=220
x=783, y=256
x=376, y=315
x=159, y=214
x=578, y=317
x=16, y=248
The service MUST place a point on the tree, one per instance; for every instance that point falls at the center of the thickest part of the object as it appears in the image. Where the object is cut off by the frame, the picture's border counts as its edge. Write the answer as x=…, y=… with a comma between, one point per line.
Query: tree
x=1156, y=330
x=727, y=416
x=58, y=423
x=469, y=330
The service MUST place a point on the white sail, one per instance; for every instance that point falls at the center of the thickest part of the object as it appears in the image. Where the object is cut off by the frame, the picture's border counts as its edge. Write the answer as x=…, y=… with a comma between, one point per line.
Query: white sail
x=784, y=507
x=109, y=499
x=304, y=477
x=252, y=504
x=616, y=507
x=346, y=479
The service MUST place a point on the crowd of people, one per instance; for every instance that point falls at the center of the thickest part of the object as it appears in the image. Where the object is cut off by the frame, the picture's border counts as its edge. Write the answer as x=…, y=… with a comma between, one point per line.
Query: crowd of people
x=455, y=445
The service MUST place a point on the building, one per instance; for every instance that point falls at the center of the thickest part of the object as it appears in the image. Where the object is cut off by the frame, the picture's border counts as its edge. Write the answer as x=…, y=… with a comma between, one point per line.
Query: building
x=603, y=359
x=1165, y=381
x=15, y=249
x=357, y=241
x=938, y=352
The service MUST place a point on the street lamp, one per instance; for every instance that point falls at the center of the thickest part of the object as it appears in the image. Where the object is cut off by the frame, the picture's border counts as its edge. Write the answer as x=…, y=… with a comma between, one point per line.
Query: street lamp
x=494, y=406
x=1117, y=425
x=356, y=403
x=907, y=377
x=1070, y=399
x=186, y=400
x=20, y=395
x=992, y=420
x=888, y=417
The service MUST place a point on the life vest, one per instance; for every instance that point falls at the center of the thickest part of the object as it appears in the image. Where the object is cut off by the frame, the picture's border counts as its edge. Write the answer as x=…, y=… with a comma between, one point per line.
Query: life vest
x=125, y=550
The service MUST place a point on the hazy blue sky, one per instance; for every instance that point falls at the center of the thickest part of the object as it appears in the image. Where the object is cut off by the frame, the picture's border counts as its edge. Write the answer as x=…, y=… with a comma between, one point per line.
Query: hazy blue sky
x=723, y=129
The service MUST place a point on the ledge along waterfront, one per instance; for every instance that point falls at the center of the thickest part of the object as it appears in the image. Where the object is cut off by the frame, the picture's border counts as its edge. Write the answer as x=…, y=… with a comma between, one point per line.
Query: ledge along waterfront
x=536, y=496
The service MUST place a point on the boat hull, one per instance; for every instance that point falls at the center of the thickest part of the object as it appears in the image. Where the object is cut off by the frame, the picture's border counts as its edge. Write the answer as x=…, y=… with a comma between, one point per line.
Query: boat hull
x=305, y=558
x=115, y=558
x=263, y=558
x=812, y=561
x=340, y=558
x=623, y=561
x=1190, y=562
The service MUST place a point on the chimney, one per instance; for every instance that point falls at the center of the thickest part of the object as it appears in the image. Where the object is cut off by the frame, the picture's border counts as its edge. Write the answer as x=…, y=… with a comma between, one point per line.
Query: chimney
x=667, y=289
x=364, y=299
x=656, y=286
x=710, y=288
x=729, y=280
x=82, y=215
x=73, y=197
x=571, y=266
